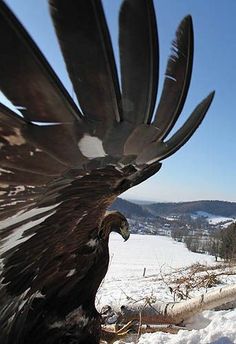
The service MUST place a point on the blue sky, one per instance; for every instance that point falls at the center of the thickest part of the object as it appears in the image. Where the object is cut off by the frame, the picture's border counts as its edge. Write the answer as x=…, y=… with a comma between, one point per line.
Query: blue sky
x=205, y=168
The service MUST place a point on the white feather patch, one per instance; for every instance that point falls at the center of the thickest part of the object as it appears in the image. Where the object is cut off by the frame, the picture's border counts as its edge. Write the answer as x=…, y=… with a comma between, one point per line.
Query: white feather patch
x=16, y=139
x=38, y=295
x=71, y=273
x=91, y=147
x=5, y=171
x=92, y=242
x=21, y=216
x=76, y=317
x=17, y=237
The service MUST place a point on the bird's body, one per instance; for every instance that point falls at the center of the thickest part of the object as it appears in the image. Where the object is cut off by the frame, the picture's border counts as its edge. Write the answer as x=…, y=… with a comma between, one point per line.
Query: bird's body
x=64, y=311
x=62, y=167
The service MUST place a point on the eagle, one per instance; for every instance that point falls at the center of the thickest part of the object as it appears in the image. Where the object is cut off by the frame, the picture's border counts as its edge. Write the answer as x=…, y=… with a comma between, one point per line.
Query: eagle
x=63, y=164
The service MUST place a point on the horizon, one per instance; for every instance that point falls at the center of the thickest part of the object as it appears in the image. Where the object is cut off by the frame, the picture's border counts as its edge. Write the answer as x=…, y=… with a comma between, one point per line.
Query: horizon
x=204, y=168
x=161, y=201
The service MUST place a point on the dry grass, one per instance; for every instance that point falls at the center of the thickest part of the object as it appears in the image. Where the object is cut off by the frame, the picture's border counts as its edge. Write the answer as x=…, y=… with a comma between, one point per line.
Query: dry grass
x=182, y=283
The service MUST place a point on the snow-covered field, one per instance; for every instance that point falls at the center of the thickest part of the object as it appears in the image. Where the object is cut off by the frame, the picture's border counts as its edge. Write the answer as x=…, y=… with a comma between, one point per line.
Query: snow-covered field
x=214, y=219
x=124, y=283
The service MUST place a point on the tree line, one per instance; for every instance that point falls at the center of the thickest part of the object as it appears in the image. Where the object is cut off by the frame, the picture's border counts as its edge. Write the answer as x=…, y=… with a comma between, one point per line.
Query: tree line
x=220, y=243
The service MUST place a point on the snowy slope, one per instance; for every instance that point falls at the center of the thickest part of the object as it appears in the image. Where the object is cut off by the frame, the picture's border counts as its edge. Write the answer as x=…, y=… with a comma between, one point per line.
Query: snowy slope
x=153, y=252
x=214, y=219
x=124, y=283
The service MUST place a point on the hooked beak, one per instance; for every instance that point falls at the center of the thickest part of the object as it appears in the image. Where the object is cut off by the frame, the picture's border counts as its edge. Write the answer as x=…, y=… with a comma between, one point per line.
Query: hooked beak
x=124, y=232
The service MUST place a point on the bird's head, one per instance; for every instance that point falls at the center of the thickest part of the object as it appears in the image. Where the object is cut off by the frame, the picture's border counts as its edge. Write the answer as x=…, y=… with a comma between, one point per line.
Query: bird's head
x=114, y=221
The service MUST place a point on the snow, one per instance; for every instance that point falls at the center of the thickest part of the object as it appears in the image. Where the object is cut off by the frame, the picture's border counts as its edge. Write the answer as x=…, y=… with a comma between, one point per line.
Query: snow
x=218, y=219
x=125, y=283
x=220, y=330
x=213, y=219
x=172, y=218
x=150, y=252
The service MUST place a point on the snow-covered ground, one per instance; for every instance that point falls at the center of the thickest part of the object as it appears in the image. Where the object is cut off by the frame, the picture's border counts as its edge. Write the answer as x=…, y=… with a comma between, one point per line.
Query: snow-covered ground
x=160, y=256
x=214, y=219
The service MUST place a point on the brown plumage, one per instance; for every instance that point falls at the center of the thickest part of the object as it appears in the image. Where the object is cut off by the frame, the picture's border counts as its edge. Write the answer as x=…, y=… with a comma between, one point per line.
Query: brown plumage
x=58, y=179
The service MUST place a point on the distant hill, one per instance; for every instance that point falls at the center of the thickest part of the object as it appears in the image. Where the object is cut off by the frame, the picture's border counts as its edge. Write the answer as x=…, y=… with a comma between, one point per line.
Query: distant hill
x=130, y=209
x=139, y=202
x=163, y=218
x=220, y=208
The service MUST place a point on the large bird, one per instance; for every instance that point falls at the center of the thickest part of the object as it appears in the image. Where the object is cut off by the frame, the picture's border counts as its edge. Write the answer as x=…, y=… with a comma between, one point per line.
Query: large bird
x=62, y=167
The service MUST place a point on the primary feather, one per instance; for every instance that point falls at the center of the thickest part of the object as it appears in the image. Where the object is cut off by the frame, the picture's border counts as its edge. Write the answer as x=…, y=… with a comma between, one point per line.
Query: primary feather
x=58, y=179
x=139, y=58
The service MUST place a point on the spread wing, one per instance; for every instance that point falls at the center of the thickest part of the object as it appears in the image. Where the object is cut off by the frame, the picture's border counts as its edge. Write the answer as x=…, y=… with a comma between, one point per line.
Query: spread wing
x=60, y=168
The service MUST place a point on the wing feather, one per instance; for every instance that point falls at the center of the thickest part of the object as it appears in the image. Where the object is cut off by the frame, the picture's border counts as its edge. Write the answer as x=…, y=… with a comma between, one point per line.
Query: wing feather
x=160, y=150
x=85, y=42
x=139, y=56
x=26, y=78
x=177, y=79
x=189, y=127
x=20, y=151
x=41, y=149
x=15, y=199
